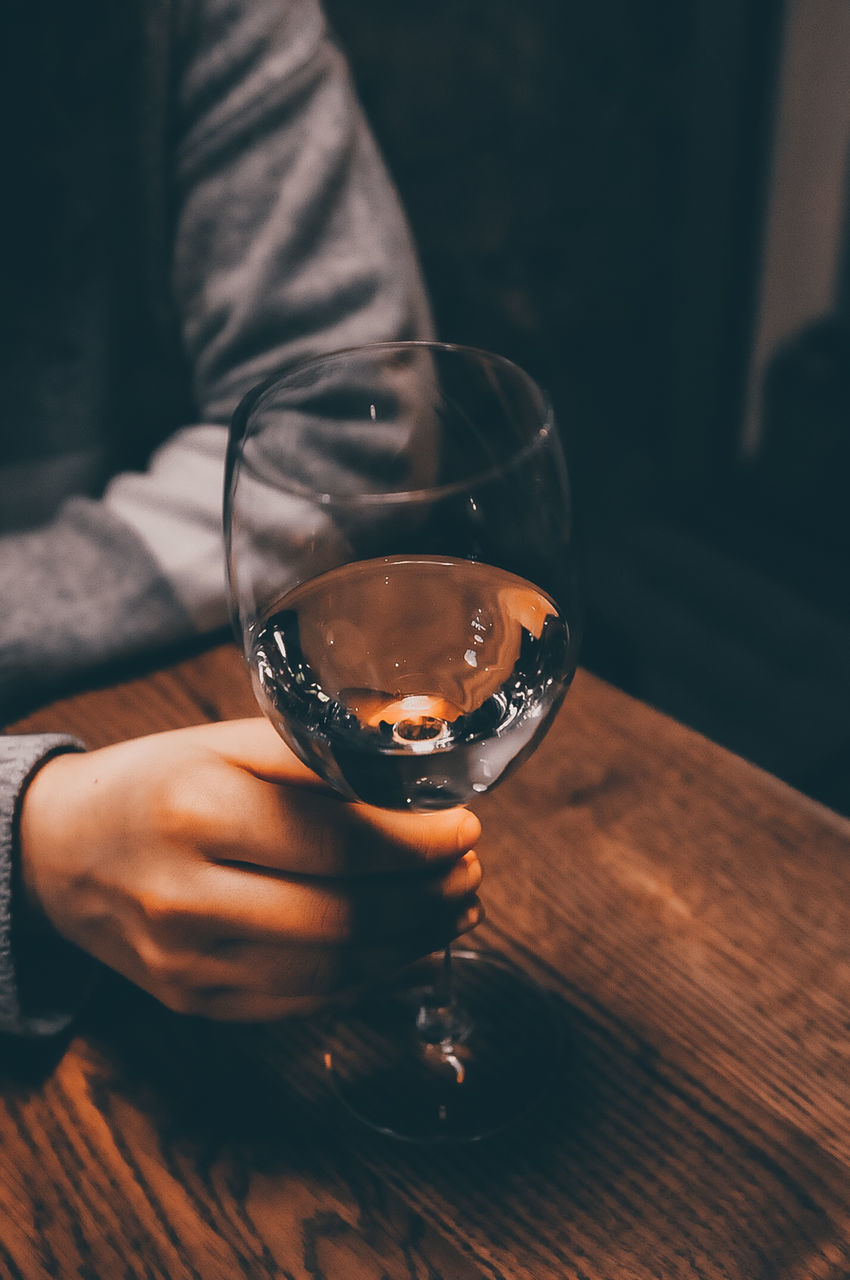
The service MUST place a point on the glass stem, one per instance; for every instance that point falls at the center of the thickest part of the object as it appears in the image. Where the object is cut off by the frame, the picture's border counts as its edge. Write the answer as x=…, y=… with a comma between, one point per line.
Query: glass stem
x=441, y=1019
x=444, y=986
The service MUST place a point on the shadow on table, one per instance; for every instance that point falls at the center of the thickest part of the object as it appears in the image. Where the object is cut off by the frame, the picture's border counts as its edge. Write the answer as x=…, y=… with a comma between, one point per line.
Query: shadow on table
x=262, y=1092
x=632, y=1160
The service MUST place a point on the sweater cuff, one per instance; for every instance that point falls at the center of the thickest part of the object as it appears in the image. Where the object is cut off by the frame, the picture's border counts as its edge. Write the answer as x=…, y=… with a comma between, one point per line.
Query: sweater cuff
x=43, y=979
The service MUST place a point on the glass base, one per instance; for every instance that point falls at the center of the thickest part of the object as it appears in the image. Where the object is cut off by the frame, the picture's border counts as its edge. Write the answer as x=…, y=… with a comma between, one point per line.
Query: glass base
x=411, y=1069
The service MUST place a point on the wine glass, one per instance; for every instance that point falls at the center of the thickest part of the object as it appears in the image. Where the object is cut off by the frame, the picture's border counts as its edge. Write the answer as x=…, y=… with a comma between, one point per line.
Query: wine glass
x=402, y=578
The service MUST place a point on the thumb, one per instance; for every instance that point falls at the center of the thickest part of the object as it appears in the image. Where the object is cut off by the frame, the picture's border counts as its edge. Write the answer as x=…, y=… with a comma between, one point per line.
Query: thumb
x=253, y=746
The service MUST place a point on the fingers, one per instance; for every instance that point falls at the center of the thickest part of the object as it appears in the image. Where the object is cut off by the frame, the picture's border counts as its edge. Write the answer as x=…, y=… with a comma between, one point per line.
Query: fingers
x=236, y=817
x=256, y=982
x=199, y=865
x=428, y=835
x=235, y=902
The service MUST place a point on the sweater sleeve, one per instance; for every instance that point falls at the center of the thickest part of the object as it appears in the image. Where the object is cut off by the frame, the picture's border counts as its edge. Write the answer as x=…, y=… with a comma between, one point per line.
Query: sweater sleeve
x=78, y=594
x=288, y=241
x=42, y=979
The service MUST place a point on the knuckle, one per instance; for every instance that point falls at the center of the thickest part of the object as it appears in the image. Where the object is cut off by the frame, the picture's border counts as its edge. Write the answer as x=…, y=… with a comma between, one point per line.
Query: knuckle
x=225, y=1004
x=319, y=976
x=200, y=1001
x=464, y=877
x=184, y=804
x=180, y=1000
x=475, y=873
x=323, y=848
x=164, y=907
x=433, y=841
x=436, y=836
x=311, y=973
x=273, y=1008
x=333, y=918
x=173, y=981
x=158, y=964
x=343, y=969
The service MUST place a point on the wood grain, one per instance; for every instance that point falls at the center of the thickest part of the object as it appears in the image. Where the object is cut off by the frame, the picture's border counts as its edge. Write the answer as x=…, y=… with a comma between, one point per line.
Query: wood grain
x=691, y=917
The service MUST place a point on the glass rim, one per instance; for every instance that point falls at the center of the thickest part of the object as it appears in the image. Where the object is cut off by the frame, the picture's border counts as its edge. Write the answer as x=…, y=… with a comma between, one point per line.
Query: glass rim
x=239, y=426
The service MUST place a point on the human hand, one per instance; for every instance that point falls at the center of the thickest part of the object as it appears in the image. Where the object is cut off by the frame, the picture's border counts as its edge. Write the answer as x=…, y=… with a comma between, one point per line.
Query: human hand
x=213, y=869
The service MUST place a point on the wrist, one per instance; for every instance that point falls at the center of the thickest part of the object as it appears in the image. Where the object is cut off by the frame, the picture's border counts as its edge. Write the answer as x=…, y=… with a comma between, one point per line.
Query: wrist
x=39, y=848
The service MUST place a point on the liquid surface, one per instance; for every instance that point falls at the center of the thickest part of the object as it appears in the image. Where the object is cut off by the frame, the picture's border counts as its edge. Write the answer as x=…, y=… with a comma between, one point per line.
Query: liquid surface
x=413, y=683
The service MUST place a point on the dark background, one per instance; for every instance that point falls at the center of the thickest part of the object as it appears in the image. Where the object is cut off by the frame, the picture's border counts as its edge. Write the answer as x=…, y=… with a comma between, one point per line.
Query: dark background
x=587, y=186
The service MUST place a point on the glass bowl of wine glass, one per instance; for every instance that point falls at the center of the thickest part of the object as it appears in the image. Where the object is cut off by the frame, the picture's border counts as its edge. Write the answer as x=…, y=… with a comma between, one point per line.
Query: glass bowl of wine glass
x=402, y=576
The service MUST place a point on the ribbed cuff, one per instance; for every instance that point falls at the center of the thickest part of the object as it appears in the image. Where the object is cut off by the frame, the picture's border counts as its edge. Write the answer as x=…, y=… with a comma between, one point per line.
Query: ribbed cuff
x=43, y=979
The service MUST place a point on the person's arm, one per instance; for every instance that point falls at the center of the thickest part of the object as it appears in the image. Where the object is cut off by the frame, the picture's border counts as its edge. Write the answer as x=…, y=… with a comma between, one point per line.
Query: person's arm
x=289, y=240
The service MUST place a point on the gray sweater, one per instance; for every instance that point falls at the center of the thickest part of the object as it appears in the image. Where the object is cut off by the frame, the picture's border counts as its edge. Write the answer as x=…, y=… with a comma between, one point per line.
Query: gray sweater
x=219, y=210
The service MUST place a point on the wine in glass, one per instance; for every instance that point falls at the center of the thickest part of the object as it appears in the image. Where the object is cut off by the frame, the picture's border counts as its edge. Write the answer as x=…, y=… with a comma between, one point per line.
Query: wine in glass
x=401, y=568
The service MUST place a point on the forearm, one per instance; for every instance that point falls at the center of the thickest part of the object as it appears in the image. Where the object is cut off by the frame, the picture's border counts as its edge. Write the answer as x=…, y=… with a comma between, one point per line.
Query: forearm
x=289, y=241
x=78, y=594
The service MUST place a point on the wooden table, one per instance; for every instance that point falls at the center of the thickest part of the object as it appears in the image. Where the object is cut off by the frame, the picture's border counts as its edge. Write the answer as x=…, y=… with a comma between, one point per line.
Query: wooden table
x=692, y=915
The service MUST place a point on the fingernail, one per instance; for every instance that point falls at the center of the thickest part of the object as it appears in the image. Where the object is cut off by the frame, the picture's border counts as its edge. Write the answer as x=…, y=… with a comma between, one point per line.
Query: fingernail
x=474, y=869
x=468, y=831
